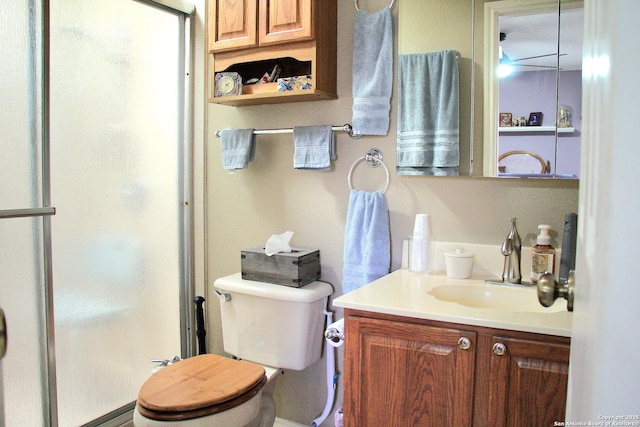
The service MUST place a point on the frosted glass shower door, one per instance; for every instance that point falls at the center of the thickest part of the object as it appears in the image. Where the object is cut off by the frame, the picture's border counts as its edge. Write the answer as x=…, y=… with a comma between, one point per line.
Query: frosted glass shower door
x=25, y=372
x=116, y=131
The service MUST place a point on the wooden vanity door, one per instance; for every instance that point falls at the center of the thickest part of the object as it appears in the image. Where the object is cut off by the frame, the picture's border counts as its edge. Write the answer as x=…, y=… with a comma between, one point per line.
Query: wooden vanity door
x=528, y=382
x=401, y=374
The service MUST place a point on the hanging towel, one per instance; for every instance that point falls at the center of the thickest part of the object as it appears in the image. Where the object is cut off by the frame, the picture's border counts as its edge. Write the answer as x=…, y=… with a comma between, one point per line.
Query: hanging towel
x=367, y=244
x=428, y=114
x=314, y=147
x=372, y=72
x=238, y=148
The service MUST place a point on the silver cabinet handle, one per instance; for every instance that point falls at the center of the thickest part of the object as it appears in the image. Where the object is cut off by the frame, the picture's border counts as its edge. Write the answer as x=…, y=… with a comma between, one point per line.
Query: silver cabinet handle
x=3, y=334
x=499, y=349
x=464, y=343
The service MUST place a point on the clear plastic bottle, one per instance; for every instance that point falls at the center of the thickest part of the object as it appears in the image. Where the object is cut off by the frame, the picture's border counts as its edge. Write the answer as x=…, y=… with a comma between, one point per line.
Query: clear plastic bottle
x=543, y=255
x=420, y=245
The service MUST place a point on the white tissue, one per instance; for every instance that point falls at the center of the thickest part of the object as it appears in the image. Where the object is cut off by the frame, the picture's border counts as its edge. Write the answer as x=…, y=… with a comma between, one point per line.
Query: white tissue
x=278, y=243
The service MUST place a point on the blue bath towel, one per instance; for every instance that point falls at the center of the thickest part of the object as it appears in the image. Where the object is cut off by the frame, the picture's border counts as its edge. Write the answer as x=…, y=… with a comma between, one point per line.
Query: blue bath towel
x=372, y=72
x=314, y=147
x=367, y=243
x=238, y=148
x=428, y=114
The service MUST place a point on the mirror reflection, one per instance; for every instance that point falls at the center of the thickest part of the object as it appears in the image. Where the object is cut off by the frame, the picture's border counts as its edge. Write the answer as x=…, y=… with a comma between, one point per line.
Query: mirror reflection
x=473, y=27
x=429, y=26
x=533, y=88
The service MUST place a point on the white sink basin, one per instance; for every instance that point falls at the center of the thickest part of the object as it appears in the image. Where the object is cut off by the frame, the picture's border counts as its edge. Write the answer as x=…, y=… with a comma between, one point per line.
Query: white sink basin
x=497, y=297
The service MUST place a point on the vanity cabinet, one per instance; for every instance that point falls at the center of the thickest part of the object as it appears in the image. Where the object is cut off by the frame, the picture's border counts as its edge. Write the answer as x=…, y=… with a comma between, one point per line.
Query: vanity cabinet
x=403, y=371
x=252, y=37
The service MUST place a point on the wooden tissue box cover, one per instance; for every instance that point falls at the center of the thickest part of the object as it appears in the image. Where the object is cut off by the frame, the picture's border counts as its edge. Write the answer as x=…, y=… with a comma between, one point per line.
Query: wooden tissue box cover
x=296, y=268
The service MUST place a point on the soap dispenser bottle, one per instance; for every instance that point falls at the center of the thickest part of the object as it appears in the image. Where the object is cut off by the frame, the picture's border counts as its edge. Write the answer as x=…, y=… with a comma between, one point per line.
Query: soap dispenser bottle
x=543, y=255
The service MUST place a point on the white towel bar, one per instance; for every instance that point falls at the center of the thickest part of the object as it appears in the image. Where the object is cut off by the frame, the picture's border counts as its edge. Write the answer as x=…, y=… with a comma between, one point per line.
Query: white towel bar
x=344, y=128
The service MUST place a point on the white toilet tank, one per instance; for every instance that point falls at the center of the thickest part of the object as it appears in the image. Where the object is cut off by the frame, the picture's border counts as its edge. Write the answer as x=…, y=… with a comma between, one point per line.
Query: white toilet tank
x=274, y=325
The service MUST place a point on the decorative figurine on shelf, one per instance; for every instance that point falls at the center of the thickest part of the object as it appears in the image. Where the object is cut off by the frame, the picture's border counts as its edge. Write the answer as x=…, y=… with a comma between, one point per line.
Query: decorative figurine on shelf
x=565, y=116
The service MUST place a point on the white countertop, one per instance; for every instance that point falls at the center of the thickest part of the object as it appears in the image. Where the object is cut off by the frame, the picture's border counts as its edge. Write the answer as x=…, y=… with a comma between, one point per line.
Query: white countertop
x=404, y=293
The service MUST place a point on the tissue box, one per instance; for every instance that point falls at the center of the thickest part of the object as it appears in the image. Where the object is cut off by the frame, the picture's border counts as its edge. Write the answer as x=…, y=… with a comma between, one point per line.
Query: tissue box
x=296, y=268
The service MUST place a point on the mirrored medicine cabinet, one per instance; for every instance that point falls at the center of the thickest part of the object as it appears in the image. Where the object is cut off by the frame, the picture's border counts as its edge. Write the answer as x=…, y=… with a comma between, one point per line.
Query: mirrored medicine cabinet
x=527, y=123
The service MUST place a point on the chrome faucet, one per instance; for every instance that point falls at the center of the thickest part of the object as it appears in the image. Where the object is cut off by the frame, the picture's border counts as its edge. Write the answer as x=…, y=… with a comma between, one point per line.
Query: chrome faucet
x=512, y=251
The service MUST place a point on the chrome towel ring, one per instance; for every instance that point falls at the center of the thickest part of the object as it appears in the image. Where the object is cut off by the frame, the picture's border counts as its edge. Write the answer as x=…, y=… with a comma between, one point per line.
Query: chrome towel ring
x=357, y=8
x=374, y=159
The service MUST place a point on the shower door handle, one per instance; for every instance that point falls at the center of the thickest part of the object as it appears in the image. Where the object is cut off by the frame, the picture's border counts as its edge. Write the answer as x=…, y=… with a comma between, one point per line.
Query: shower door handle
x=3, y=334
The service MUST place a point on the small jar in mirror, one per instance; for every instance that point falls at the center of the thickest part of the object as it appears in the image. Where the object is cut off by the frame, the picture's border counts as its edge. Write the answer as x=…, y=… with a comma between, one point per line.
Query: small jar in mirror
x=565, y=116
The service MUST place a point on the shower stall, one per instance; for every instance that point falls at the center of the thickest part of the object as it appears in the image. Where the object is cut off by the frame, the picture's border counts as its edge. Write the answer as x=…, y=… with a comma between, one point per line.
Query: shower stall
x=95, y=212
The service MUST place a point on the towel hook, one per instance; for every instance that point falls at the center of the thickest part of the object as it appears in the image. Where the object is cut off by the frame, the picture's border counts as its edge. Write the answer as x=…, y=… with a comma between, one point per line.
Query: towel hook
x=357, y=8
x=373, y=159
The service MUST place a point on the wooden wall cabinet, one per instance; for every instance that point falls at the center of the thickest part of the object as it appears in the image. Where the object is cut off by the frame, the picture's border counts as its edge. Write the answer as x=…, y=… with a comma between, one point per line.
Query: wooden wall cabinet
x=252, y=36
x=403, y=371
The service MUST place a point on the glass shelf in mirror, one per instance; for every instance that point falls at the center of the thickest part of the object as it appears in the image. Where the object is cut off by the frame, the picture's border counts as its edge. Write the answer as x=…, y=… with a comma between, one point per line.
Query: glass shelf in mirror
x=534, y=129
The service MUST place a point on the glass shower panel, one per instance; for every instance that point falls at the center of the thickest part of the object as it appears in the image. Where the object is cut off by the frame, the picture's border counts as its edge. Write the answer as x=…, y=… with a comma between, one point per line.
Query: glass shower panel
x=116, y=183
x=19, y=103
x=24, y=368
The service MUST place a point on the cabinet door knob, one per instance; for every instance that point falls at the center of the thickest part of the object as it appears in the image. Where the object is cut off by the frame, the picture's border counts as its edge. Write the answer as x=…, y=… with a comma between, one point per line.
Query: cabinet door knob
x=499, y=349
x=464, y=343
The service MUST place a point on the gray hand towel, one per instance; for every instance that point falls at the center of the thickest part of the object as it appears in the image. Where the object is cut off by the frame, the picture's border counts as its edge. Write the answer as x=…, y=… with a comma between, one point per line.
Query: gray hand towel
x=314, y=147
x=428, y=114
x=372, y=72
x=238, y=148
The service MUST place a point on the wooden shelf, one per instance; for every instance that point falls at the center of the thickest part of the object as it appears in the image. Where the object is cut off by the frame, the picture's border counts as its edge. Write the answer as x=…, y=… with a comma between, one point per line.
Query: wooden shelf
x=273, y=97
x=534, y=129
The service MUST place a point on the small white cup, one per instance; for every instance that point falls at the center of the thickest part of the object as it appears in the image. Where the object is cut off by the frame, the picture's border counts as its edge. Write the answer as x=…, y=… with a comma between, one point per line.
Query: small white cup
x=458, y=263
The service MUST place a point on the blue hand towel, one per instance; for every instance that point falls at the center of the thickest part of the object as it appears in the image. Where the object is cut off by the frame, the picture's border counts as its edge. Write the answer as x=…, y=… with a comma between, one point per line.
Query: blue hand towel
x=428, y=114
x=372, y=72
x=367, y=244
x=314, y=147
x=238, y=148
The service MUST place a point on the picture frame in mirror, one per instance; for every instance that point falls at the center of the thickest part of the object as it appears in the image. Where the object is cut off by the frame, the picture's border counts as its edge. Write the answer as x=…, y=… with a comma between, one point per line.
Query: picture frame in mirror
x=535, y=119
x=505, y=119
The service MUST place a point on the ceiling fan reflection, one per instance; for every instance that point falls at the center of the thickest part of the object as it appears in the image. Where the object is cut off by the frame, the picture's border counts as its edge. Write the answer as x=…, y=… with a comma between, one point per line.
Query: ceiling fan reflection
x=515, y=62
x=506, y=60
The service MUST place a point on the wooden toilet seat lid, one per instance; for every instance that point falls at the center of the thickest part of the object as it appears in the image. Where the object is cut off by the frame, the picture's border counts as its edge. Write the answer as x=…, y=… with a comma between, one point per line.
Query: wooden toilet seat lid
x=200, y=382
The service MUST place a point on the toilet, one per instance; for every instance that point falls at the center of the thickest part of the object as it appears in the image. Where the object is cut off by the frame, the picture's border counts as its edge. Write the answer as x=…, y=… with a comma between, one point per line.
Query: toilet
x=266, y=328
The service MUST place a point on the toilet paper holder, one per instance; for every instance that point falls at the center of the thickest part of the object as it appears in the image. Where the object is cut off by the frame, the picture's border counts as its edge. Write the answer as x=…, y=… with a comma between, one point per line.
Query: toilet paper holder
x=334, y=335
